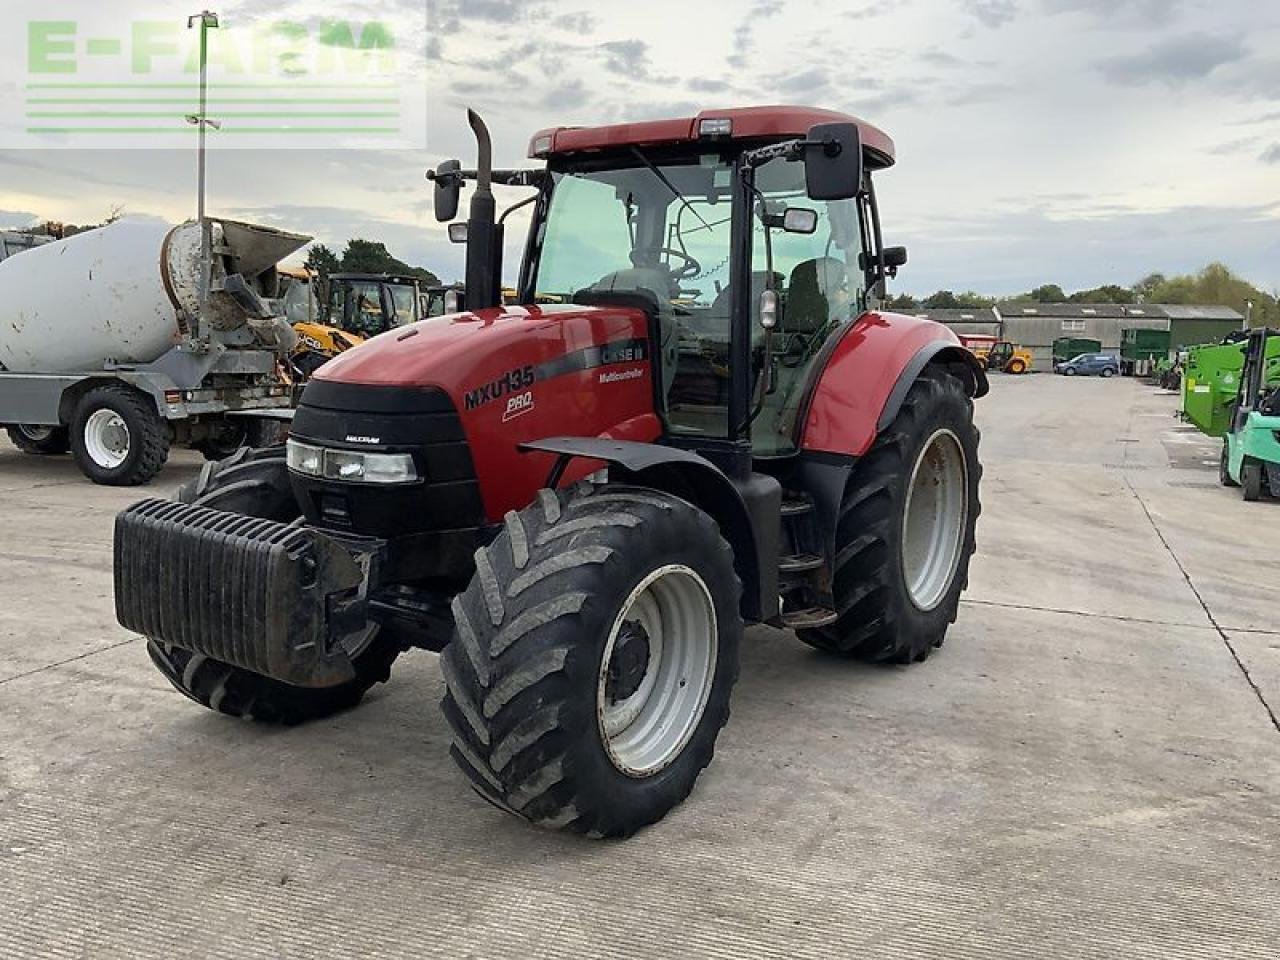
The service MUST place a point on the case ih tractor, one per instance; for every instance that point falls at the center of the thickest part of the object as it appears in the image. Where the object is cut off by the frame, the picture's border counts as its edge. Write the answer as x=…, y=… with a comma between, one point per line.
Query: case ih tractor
x=706, y=423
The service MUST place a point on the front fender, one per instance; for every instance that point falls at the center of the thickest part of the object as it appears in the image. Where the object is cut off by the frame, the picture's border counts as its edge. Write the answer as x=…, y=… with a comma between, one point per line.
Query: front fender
x=694, y=478
x=866, y=376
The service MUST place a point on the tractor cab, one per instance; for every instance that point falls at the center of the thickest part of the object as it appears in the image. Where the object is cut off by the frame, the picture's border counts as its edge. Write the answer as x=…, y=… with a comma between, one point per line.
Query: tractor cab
x=748, y=255
x=367, y=304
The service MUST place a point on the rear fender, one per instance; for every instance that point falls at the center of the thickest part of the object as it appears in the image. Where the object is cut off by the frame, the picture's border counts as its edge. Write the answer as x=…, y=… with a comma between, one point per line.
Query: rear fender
x=860, y=388
x=697, y=480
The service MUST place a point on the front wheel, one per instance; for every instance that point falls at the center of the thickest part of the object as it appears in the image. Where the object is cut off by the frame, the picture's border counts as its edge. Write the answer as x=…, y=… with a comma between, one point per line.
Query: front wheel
x=118, y=437
x=905, y=532
x=40, y=441
x=594, y=653
x=1224, y=466
x=1017, y=366
x=1069, y=371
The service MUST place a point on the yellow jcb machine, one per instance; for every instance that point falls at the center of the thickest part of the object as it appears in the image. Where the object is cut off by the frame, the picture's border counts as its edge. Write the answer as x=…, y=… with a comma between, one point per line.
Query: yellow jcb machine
x=1004, y=357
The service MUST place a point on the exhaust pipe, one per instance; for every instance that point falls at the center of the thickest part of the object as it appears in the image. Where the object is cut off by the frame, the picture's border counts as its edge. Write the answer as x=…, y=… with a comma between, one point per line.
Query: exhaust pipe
x=484, y=234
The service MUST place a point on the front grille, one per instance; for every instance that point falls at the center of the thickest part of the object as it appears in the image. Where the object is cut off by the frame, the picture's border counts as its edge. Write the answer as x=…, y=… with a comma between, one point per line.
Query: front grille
x=421, y=422
x=250, y=592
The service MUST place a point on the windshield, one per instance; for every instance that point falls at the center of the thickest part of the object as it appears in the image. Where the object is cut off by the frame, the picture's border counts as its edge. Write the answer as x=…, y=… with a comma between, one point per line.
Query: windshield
x=661, y=233
x=659, y=228
x=402, y=297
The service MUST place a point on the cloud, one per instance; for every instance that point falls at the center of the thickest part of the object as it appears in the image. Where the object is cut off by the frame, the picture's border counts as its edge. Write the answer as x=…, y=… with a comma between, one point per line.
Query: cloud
x=1271, y=155
x=707, y=85
x=1137, y=11
x=627, y=57
x=992, y=13
x=1174, y=61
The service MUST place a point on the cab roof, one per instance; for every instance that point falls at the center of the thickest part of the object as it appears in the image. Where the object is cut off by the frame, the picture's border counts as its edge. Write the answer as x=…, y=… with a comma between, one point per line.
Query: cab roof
x=748, y=123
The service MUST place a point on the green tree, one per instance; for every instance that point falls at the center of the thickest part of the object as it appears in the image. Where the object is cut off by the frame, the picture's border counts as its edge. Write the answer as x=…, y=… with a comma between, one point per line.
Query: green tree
x=903, y=301
x=1107, y=293
x=1216, y=285
x=1048, y=293
x=370, y=256
x=1148, y=285
x=942, y=300
x=974, y=300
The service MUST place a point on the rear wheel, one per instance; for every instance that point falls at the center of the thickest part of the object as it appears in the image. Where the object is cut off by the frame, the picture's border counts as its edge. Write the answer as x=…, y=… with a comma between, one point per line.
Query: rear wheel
x=906, y=530
x=1108, y=371
x=255, y=483
x=118, y=437
x=1224, y=466
x=1251, y=480
x=41, y=441
x=594, y=654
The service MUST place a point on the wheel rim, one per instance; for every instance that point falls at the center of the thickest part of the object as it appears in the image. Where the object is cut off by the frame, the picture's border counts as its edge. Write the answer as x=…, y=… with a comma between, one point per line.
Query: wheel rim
x=106, y=438
x=646, y=722
x=934, y=521
x=35, y=434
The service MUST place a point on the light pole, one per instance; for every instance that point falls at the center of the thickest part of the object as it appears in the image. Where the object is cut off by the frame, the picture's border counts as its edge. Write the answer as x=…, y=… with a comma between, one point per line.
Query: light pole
x=1248, y=314
x=207, y=21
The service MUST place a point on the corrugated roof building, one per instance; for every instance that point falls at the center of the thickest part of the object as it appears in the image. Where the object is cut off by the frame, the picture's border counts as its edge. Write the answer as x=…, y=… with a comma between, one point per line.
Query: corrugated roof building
x=1036, y=326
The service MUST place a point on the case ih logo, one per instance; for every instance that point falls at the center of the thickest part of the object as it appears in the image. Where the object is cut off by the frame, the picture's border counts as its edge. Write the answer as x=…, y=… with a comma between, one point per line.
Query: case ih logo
x=513, y=381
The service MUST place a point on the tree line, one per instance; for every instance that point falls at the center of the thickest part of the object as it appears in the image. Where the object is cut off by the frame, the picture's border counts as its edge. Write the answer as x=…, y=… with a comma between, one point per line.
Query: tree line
x=1215, y=285
x=363, y=256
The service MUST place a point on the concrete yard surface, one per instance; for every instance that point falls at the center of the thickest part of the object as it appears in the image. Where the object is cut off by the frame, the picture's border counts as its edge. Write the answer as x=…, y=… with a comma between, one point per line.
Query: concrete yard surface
x=1089, y=768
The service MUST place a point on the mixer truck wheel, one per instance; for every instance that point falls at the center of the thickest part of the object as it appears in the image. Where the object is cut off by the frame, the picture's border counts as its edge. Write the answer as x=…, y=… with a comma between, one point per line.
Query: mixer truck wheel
x=42, y=441
x=117, y=436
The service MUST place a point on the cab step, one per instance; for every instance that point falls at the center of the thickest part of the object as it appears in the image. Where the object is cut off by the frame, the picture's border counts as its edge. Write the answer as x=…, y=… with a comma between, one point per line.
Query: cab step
x=800, y=563
x=809, y=618
x=796, y=504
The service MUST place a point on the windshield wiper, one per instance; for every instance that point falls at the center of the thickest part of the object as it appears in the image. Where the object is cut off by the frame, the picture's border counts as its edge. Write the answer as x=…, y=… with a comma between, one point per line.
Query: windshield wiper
x=669, y=185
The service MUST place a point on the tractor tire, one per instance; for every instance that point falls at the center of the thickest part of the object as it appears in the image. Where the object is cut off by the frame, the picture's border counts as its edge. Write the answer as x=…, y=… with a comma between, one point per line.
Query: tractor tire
x=40, y=441
x=593, y=657
x=1251, y=480
x=255, y=483
x=904, y=537
x=118, y=437
x=224, y=442
x=1224, y=467
x=1017, y=366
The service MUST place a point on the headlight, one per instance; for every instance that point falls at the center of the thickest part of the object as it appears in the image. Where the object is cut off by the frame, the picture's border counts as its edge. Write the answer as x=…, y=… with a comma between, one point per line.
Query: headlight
x=353, y=466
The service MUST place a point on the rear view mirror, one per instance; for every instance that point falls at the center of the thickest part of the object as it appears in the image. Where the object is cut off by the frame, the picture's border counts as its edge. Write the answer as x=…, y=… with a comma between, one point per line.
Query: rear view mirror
x=833, y=161
x=448, y=190
x=895, y=257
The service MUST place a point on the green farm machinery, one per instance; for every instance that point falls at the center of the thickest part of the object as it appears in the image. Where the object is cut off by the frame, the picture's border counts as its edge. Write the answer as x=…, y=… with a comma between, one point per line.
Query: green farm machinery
x=1210, y=383
x=1142, y=349
x=1251, y=445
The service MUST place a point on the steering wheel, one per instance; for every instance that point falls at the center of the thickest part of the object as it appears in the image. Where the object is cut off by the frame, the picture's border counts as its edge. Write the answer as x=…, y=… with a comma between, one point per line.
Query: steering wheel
x=689, y=267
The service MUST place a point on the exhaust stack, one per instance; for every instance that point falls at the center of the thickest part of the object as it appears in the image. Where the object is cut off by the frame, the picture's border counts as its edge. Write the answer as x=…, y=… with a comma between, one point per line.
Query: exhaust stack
x=484, y=233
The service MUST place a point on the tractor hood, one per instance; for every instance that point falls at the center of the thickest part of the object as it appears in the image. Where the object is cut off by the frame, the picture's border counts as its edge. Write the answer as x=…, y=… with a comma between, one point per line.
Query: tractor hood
x=514, y=375
x=462, y=352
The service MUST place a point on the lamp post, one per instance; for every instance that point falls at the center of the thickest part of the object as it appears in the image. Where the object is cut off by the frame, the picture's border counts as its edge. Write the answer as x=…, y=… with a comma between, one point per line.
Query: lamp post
x=207, y=21
x=1248, y=314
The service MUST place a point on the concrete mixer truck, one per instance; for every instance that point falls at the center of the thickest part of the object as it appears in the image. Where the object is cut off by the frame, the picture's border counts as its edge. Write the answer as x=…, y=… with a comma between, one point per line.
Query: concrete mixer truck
x=105, y=353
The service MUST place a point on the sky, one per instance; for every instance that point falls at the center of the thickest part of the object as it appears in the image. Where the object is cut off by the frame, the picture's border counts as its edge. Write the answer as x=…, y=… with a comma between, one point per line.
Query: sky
x=1077, y=142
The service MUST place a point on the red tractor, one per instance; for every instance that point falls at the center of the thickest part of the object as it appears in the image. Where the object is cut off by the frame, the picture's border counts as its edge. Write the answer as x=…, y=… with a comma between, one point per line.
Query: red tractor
x=698, y=419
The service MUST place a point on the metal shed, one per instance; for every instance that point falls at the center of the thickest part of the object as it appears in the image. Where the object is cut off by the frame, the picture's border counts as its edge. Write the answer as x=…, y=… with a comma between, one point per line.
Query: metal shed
x=1036, y=326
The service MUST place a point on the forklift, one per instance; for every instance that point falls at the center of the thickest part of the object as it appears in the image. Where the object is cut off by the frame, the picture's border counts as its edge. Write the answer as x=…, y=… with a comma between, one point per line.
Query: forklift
x=1251, y=446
